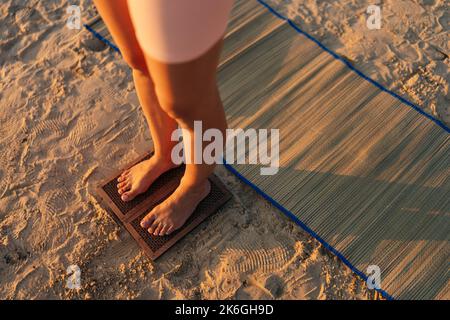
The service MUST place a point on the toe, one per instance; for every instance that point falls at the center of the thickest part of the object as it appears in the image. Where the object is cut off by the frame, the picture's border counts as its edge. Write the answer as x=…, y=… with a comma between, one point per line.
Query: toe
x=129, y=195
x=169, y=230
x=153, y=227
x=125, y=185
x=164, y=230
x=158, y=229
x=147, y=221
x=123, y=176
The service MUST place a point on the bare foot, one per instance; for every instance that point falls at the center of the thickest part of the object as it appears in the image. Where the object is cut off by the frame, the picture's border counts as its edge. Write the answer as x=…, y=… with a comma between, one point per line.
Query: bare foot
x=176, y=209
x=138, y=178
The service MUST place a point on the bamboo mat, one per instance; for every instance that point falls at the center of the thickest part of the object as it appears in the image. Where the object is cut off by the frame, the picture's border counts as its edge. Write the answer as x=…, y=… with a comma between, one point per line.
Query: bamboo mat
x=360, y=169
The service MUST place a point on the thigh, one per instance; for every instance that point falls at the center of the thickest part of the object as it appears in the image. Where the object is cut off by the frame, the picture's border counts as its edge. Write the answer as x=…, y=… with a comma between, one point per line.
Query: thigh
x=186, y=83
x=116, y=16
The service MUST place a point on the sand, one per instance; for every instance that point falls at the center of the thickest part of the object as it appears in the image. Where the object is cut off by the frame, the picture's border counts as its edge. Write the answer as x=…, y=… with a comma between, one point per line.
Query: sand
x=69, y=116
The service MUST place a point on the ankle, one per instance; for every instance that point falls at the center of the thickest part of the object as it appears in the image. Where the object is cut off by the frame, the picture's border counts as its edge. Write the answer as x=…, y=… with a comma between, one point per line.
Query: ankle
x=164, y=161
x=200, y=185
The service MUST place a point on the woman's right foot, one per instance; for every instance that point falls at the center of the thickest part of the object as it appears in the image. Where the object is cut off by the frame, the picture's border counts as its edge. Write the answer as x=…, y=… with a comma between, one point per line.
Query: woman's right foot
x=139, y=178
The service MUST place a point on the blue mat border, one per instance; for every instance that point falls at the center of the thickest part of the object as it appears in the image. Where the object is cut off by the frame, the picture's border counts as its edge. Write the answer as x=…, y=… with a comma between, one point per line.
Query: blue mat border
x=288, y=213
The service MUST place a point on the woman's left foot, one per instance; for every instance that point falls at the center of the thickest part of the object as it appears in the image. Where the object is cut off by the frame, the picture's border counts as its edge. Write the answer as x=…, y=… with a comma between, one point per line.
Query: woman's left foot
x=176, y=209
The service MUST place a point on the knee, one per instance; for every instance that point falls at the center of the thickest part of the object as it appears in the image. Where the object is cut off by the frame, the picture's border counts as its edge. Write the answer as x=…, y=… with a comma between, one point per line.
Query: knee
x=176, y=107
x=186, y=103
x=135, y=61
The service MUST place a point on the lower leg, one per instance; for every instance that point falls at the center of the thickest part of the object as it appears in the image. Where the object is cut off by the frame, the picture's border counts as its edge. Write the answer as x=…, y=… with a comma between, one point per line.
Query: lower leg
x=137, y=179
x=160, y=124
x=212, y=116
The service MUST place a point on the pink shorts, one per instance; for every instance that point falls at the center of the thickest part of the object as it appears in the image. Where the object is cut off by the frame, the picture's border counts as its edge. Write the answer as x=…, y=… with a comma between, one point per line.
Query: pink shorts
x=175, y=31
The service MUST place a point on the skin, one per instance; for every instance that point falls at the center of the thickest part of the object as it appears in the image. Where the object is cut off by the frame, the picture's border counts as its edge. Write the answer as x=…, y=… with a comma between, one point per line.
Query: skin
x=171, y=95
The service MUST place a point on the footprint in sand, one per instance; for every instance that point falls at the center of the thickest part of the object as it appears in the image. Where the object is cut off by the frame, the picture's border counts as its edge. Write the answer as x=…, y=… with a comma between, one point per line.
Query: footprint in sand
x=49, y=128
x=251, y=257
x=56, y=201
x=51, y=228
x=10, y=129
x=126, y=134
x=28, y=19
x=82, y=134
x=5, y=179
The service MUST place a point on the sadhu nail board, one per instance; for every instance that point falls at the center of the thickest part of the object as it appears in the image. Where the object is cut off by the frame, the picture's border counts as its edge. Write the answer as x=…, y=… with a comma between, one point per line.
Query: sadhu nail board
x=129, y=214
